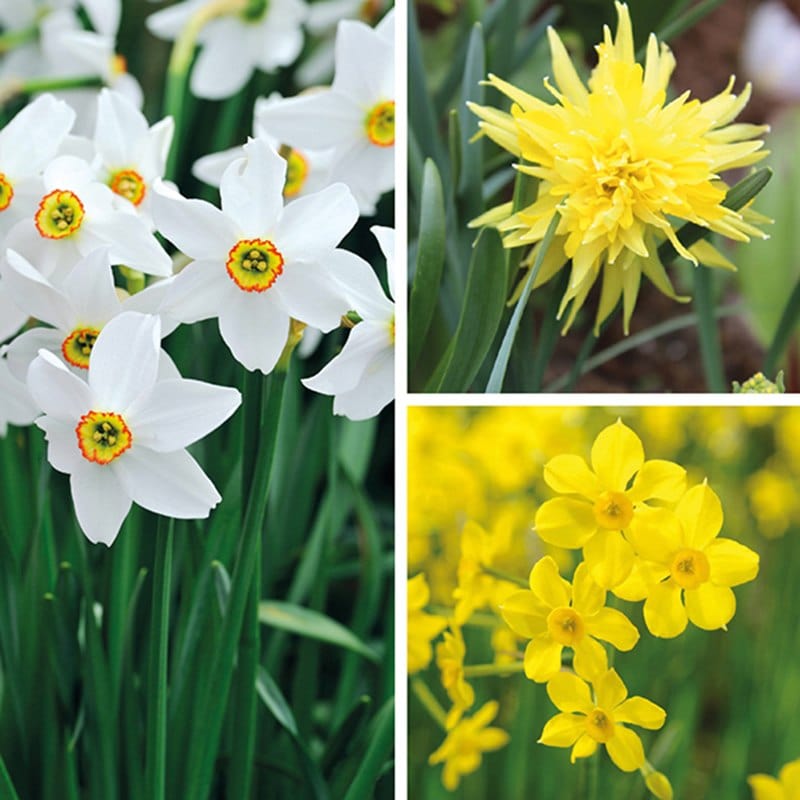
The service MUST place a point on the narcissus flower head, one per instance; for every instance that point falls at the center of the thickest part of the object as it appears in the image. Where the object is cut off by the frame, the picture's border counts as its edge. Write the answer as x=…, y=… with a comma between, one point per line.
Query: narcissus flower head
x=600, y=504
x=464, y=745
x=555, y=614
x=590, y=719
x=621, y=167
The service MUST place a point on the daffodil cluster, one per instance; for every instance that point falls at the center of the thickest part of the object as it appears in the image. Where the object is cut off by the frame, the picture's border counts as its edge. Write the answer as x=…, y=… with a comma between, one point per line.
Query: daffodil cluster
x=101, y=253
x=623, y=526
x=620, y=167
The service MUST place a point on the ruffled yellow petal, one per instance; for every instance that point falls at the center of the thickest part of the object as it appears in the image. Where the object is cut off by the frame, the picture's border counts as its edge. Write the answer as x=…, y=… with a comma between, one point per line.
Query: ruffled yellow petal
x=617, y=454
x=546, y=583
x=664, y=613
x=710, y=607
x=569, y=474
x=625, y=749
x=542, y=659
x=569, y=693
x=566, y=77
x=642, y=712
x=611, y=625
x=565, y=522
x=700, y=511
x=731, y=563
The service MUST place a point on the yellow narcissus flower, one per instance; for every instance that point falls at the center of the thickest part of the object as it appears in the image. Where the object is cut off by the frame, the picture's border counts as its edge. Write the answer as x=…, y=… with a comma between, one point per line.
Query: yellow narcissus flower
x=462, y=748
x=697, y=569
x=555, y=614
x=422, y=627
x=621, y=167
x=450, y=659
x=785, y=787
x=600, y=504
x=586, y=722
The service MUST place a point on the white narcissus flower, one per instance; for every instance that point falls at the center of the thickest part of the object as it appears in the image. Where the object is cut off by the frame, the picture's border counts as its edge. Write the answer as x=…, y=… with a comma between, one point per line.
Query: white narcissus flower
x=361, y=377
x=78, y=309
x=122, y=436
x=307, y=171
x=131, y=155
x=265, y=34
x=354, y=117
x=255, y=263
x=78, y=214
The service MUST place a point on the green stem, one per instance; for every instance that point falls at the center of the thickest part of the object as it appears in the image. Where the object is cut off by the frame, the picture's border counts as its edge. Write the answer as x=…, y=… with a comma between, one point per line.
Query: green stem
x=429, y=701
x=489, y=670
x=594, y=774
x=504, y=576
x=707, y=330
x=786, y=326
x=14, y=87
x=157, y=702
x=11, y=39
x=213, y=702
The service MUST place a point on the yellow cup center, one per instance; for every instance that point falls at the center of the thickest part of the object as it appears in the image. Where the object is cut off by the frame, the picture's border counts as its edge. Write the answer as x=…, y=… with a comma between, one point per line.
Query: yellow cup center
x=128, y=183
x=613, y=511
x=59, y=215
x=689, y=568
x=6, y=192
x=102, y=436
x=296, y=173
x=380, y=124
x=254, y=264
x=77, y=347
x=600, y=724
x=565, y=626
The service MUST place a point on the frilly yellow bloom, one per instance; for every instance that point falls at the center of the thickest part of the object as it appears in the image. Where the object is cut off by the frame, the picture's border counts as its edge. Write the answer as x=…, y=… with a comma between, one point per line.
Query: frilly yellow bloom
x=422, y=627
x=555, y=614
x=462, y=748
x=450, y=659
x=600, y=504
x=696, y=567
x=785, y=787
x=586, y=722
x=621, y=167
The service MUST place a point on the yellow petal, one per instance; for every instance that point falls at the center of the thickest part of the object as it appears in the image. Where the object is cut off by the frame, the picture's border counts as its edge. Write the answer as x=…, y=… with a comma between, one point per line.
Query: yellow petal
x=569, y=693
x=583, y=748
x=709, y=256
x=590, y=658
x=492, y=739
x=662, y=480
x=525, y=614
x=418, y=592
x=664, y=613
x=656, y=534
x=765, y=787
x=790, y=777
x=625, y=749
x=566, y=77
x=642, y=712
x=613, y=626
x=659, y=785
x=562, y=730
x=644, y=576
x=710, y=607
x=617, y=453
x=700, y=511
x=731, y=562
x=623, y=42
x=542, y=659
x=609, y=557
x=610, y=690
x=588, y=597
x=565, y=522
x=548, y=585
x=570, y=474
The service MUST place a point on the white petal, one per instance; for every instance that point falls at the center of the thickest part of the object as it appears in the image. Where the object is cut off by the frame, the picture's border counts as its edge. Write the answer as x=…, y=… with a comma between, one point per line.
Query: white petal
x=11, y=317
x=313, y=225
x=104, y=15
x=132, y=244
x=386, y=240
x=16, y=404
x=166, y=483
x=255, y=329
x=168, y=22
x=32, y=292
x=150, y=301
x=25, y=347
x=360, y=286
x=124, y=361
x=179, y=412
x=198, y=292
x=223, y=67
x=364, y=64
x=211, y=168
x=375, y=391
x=309, y=293
x=119, y=127
x=252, y=189
x=56, y=390
x=101, y=503
x=63, y=452
x=90, y=287
x=195, y=227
